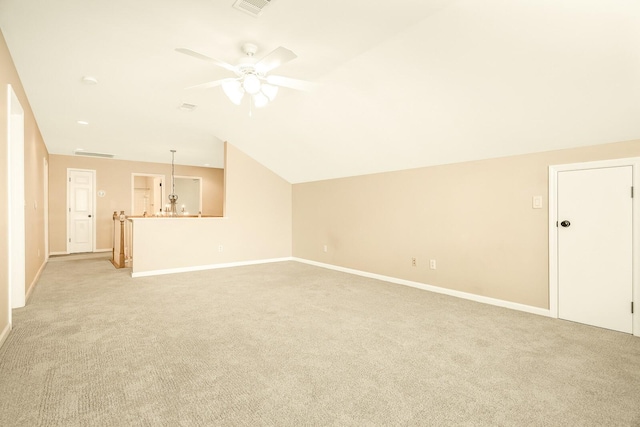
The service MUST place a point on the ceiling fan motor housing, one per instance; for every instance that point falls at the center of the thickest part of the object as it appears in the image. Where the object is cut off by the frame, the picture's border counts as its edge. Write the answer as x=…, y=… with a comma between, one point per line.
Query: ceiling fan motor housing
x=249, y=49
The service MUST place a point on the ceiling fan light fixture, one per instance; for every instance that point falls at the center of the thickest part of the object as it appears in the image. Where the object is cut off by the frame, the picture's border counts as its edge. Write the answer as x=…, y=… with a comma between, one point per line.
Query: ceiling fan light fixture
x=234, y=91
x=260, y=100
x=251, y=84
x=270, y=91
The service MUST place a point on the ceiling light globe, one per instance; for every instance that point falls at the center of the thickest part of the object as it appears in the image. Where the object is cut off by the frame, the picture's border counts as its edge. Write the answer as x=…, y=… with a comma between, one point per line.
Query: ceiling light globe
x=251, y=84
x=270, y=90
x=234, y=91
x=260, y=100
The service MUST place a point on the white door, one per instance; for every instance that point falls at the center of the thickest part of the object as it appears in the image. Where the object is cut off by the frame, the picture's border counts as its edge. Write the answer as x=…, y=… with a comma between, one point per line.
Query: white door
x=80, y=210
x=595, y=243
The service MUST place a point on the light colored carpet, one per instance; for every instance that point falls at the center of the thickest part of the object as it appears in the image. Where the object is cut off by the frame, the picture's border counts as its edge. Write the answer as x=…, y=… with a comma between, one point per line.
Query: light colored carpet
x=289, y=344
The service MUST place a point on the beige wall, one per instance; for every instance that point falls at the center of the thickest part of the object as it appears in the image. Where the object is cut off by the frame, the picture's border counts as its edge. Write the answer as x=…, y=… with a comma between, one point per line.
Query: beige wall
x=114, y=177
x=475, y=219
x=256, y=226
x=34, y=156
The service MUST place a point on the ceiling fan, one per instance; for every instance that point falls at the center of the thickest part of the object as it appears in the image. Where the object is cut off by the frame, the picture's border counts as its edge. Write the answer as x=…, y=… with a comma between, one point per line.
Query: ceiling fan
x=251, y=75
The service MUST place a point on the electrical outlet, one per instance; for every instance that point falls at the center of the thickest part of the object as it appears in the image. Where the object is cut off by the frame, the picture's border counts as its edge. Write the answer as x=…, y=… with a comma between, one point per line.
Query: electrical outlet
x=324, y=248
x=413, y=262
x=432, y=264
x=220, y=248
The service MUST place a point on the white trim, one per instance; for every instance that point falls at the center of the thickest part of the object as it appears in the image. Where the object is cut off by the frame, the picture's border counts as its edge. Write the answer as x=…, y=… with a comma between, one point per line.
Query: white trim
x=208, y=267
x=634, y=162
x=35, y=281
x=67, y=253
x=553, y=243
x=431, y=288
x=45, y=206
x=94, y=207
x=4, y=334
x=16, y=207
x=458, y=294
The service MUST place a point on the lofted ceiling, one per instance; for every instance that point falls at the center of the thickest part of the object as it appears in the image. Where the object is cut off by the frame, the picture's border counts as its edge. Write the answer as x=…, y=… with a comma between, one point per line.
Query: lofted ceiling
x=398, y=84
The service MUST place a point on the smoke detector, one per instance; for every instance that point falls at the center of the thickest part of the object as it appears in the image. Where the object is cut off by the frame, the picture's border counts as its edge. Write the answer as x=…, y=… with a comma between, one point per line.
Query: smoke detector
x=252, y=7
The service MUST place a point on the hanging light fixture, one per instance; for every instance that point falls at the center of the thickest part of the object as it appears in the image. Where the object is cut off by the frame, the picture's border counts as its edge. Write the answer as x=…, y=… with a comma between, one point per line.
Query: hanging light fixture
x=270, y=91
x=251, y=75
x=250, y=81
x=251, y=84
x=260, y=100
x=260, y=93
x=234, y=91
x=173, y=197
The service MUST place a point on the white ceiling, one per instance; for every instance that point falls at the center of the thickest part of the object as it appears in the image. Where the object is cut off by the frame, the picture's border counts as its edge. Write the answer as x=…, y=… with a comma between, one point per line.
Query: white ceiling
x=400, y=84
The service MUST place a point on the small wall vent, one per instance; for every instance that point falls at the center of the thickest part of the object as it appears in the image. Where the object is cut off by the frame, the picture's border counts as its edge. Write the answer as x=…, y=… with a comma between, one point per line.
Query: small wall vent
x=252, y=7
x=90, y=154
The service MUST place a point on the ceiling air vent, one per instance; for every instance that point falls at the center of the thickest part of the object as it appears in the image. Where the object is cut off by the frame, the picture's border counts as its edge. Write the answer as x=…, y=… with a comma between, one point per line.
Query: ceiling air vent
x=252, y=7
x=90, y=154
x=187, y=107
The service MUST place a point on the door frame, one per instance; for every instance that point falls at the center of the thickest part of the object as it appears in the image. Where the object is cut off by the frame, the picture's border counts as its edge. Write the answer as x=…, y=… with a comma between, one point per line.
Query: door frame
x=153, y=175
x=634, y=162
x=45, y=206
x=16, y=233
x=93, y=215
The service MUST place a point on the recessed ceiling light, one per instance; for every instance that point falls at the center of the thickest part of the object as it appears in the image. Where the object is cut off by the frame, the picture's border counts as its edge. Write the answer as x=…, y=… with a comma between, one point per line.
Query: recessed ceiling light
x=89, y=80
x=82, y=122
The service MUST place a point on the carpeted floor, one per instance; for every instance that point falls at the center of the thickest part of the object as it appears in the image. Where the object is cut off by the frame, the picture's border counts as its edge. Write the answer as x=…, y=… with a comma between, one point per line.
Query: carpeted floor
x=288, y=344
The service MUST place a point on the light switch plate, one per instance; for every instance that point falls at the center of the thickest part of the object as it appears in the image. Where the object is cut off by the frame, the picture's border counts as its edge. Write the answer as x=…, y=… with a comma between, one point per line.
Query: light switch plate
x=537, y=202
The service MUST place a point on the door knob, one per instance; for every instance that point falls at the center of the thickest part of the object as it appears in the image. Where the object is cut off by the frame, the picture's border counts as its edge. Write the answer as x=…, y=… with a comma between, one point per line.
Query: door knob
x=565, y=223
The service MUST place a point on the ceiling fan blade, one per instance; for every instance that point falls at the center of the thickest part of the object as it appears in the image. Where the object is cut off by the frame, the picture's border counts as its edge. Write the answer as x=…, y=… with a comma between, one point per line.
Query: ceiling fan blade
x=211, y=84
x=290, y=83
x=274, y=59
x=206, y=58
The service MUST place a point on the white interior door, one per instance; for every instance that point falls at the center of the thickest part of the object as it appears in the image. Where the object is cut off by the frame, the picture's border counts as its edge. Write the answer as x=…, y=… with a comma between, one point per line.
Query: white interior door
x=595, y=247
x=81, y=221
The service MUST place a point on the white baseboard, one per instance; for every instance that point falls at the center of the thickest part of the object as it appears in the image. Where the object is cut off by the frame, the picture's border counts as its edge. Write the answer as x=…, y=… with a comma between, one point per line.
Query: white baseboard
x=4, y=334
x=69, y=253
x=431, y=288
x=208, y=267
x=34, y=282
x=423, y=286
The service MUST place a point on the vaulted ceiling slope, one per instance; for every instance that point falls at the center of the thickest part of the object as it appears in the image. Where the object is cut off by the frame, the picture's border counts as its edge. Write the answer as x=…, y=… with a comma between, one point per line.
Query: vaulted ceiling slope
x=399, y=84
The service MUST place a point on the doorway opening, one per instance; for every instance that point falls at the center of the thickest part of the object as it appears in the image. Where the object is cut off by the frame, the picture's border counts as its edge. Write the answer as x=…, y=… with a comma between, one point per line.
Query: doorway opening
x=147, y=194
